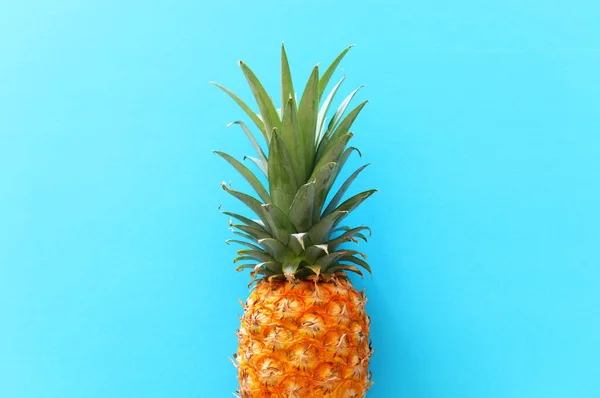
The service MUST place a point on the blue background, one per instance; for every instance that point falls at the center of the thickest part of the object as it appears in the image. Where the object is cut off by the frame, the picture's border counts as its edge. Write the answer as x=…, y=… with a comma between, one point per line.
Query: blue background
x=484, y=136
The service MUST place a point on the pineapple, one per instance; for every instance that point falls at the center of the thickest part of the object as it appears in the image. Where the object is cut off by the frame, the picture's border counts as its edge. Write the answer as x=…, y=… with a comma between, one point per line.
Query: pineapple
x=304, y=332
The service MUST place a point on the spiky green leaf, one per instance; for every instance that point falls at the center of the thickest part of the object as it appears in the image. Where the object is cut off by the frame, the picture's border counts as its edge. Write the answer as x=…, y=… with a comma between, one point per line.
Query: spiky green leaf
x=312, y=253
x=325, y=108
x=299, y=242
x=244, y=235
x=331, y=153
x=329, y=259
x=329, y=72
x=282, y=179
x=262, y=166
x=321, y=231
x=251, y=223
x=316, y=269
x=291, y=135
x=274, y=267
x=308, y=112
x=251, y=202
x=301, y=210
x=242, y=267
x=276, y=249
x=347, y=236
x=345, y=267
x=248, y=176
x=255, y=233
x=290, y=268
x=322, y=179
x=253, y=141
x=357, y=261
x=259, y=123
x=287, y=87
x=352, y=203
x=340, y=193
x=280, y=223
x=346, y=123
x=268, y=112
x=258, y=255
x=337, y=116
x=243, y=243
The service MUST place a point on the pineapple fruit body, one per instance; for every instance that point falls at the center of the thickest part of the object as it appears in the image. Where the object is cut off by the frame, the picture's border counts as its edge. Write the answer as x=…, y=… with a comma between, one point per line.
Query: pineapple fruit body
x=304, y=332
x=304, y=339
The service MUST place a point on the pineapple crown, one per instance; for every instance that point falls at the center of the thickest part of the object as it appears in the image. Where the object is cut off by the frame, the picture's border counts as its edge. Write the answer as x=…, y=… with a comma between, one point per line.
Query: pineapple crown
x=298, y=234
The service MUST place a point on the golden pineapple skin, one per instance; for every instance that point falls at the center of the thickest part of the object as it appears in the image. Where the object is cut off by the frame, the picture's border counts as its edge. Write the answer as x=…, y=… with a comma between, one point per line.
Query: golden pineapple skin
x=304, y=339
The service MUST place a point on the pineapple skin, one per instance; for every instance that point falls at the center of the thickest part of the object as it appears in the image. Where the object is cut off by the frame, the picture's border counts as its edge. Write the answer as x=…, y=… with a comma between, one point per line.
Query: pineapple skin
x=304, y=339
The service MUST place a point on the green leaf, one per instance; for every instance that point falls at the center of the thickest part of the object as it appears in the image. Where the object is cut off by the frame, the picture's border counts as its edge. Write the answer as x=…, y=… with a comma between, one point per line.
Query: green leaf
x=259, y=123
x=250, y=136
x=359, y=235
x=290, y=268
x=324, y=109
x=265, y=104
x=259, y=163
x=312, y=253
x=342, y=228
x=337, y=116
x=308, y=112
x=358, y=261
x=275, y=248
x=299, y=242
x=272, y=266
x=301, y=210
x=245, y=235
x=350, y=252
x=281, y=226
x=323, y=180
x=266, y=268
x=344, y=126
x=291, y=135
x=340, y=194
x=344, y=157
x=251, y=223
x=314, y=268
x=352, y=203
x=243, y=243
x=244, y=258
x=329, y=72
x=347, y=154
x=282, y=180
x=347, y=237
x=258, y=255
x=340, y=240
x=329, y=259
x=321, y=232
x=248, y=176
x=345, y=267
x=256, y=233
x=287, y=87
x=242, y=267
x=252, y=203
x=332, y=152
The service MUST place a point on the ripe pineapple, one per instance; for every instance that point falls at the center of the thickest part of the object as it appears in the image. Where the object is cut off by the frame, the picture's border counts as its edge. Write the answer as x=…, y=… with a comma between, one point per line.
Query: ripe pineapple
x=304, y=332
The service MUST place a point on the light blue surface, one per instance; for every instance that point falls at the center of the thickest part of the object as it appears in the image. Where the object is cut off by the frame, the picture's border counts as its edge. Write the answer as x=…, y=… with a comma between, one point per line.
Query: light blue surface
x=484, y=136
